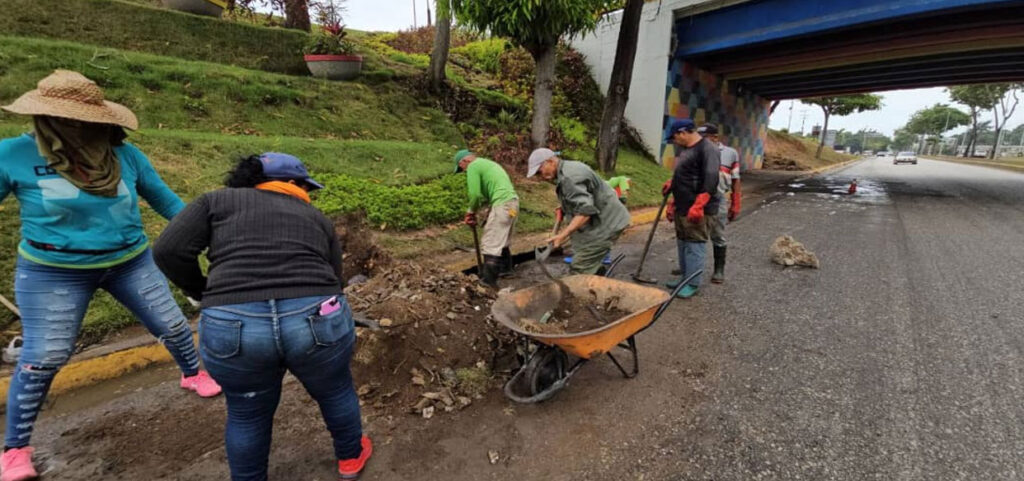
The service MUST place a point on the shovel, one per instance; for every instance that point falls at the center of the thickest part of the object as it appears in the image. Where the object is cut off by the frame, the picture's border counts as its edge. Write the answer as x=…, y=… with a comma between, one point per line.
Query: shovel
x=10, y=305
x=647, y=247
x=479, y=258
x=542, y=257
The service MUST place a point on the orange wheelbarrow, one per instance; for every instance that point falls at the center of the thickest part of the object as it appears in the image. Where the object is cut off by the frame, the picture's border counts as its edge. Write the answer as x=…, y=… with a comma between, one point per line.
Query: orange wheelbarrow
x=549, y=369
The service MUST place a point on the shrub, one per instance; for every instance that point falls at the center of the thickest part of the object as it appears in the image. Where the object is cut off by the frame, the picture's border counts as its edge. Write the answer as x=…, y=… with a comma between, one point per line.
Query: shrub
x=394, y=207
x=330, y=41
x=573, y=133
x=484, y=54
x=421, y=40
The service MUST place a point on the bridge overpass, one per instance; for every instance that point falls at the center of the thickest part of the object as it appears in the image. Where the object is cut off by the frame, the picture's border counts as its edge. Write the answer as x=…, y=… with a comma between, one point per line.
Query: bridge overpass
x=724, y=61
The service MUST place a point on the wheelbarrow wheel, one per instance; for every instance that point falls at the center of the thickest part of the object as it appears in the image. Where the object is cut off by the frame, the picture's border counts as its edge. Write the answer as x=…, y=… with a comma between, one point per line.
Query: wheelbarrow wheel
x=546, y=368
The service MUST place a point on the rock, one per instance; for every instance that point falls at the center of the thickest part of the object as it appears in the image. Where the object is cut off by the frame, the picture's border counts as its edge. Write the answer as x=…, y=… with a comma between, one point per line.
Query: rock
x=357, y=280
x=493, y=457
x=449, y=376
x=428, y=412
x=386, y=322
x=787, y=251
x=451, y=315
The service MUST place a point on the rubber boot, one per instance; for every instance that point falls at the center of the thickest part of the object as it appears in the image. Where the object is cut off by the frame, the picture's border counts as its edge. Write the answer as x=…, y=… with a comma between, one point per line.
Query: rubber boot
x=507, y=267
x=719, y=276
x=492, y=267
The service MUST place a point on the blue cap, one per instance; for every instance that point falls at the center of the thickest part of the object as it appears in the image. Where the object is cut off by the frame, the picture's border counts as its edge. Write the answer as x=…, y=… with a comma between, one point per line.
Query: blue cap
x=286, y=167
x=679, y=126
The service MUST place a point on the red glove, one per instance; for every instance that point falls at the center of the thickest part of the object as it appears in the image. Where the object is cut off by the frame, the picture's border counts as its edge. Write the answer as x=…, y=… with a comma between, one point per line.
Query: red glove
x=734, y=205
x=666, y=188
x=470, y=219
x=696, y=213
x=559, y=215
x=670, y=211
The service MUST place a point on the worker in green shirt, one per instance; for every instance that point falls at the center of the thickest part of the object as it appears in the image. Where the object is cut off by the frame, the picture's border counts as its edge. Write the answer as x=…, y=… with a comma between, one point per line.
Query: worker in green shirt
x=621, y=184
x=489, y=186
x=597, y=218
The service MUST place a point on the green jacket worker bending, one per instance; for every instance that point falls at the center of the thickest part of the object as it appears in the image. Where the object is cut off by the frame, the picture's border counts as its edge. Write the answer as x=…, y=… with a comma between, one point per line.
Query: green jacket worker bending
x=490, y=187
x=597, y=216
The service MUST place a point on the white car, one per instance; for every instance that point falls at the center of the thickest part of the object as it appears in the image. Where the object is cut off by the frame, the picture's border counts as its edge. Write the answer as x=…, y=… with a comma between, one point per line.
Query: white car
x=905, y=158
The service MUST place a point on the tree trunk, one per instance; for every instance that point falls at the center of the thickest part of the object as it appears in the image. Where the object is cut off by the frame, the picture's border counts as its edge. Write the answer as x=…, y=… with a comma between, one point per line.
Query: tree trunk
x=969, y=148
x=545, y=57
x=439, y=54
x=995, y=145
x=824, y=133
x=296, y=14
x=618, y=88
x=771, y=109
x=231, y=5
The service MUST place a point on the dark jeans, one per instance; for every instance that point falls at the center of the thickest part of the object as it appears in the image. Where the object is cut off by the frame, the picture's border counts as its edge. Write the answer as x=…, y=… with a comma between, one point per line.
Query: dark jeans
x=53, y=301
x=248, y=347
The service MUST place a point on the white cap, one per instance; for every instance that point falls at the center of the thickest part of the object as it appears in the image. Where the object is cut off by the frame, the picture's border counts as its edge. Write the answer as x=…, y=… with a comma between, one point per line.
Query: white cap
x=537, y=158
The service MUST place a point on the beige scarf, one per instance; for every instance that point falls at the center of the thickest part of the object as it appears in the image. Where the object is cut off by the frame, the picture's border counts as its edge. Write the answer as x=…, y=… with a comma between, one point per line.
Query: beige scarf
x=81, y=152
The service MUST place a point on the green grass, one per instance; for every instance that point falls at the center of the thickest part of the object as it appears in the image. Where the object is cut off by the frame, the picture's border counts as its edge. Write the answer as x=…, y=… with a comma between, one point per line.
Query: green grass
x=172, y=93
x=112, y=23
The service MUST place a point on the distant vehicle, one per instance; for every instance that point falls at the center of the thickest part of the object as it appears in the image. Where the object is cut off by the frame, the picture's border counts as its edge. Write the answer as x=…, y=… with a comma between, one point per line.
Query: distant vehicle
x=869, y=152
x=905, y=158
x=883, y=153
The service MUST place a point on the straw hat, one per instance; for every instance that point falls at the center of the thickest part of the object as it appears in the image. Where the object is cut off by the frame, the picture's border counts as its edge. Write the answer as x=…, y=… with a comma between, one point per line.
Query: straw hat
x=71, y=95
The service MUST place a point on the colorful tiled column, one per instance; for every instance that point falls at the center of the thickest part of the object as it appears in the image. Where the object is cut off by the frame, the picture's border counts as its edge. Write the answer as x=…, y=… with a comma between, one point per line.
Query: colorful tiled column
x=742, y=117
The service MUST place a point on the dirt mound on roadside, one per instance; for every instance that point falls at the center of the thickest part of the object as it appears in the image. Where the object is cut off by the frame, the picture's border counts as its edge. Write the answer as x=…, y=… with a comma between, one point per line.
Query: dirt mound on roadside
x=438, y=348
x=362, y=257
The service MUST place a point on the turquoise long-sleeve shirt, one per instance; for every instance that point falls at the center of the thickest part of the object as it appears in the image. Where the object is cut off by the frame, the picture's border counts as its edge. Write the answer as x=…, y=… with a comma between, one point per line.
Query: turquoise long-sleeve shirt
x=55, y=212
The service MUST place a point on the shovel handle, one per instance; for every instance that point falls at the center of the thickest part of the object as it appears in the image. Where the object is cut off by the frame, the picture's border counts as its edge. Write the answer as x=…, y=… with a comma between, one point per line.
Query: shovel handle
x=479, y=257
x=650, y=237
x=10, y=305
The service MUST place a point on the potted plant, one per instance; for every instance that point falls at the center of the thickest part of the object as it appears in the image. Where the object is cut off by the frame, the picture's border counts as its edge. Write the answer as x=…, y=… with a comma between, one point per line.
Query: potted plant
x=210, y=8
x=330, y=55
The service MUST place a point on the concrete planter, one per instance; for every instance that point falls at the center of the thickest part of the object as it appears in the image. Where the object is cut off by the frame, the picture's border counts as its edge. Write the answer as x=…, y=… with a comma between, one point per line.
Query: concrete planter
x=335, y=67
x=209, y=8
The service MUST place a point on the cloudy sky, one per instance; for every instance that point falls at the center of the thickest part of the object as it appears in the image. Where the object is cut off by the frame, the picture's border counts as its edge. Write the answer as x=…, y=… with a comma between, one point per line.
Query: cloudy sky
x=392, y=15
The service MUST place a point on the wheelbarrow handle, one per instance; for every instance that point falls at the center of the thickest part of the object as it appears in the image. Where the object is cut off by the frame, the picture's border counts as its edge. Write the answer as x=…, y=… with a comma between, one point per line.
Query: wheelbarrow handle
x=614, y=264
x=675, y=292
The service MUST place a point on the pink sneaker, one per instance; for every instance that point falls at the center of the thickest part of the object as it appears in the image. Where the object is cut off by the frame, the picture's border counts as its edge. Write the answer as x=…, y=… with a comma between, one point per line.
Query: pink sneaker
x=201, y=383
x=16, y=465
x=350, y=468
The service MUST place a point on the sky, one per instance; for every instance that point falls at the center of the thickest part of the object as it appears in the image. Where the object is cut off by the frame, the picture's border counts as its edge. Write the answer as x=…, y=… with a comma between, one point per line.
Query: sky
x=899, y=105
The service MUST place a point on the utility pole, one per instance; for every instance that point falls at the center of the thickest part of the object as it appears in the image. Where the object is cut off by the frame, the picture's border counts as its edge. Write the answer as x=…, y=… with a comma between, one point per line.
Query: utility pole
x=414, y=14
x=803, y=121
x=789, y=125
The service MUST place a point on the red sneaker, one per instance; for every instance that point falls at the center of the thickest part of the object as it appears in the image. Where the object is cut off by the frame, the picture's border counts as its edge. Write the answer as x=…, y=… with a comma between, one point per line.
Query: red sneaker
x=350, y=468
x=16, y=465
x=202, y=384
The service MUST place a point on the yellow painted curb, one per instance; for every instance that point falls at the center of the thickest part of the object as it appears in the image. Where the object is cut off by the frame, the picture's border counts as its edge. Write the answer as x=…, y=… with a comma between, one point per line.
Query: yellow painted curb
x=98, y=369
x=986, y=163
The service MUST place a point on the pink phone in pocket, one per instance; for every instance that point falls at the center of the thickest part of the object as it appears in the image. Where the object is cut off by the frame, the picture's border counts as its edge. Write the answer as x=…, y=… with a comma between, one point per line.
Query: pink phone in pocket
x=329, y=306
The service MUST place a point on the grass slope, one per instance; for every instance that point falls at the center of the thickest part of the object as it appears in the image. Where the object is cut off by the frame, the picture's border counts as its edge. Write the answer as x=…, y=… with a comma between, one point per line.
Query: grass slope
x=177, y=94
x=131, y=26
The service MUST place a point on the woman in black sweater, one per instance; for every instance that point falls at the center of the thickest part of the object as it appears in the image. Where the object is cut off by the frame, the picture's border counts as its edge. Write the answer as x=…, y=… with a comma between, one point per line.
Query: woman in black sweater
x=272, y=302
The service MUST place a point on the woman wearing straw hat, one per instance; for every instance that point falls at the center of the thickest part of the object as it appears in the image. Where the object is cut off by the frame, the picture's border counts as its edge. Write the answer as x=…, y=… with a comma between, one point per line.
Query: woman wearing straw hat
x=79, y=185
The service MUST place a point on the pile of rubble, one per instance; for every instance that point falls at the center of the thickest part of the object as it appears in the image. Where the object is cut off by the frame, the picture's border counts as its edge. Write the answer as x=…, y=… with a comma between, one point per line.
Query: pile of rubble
x=438, y=348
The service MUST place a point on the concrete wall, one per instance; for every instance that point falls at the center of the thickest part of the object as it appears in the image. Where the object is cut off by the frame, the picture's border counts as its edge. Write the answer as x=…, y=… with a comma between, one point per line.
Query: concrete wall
x=742, y=117
x=647, y=94
x=664, y=89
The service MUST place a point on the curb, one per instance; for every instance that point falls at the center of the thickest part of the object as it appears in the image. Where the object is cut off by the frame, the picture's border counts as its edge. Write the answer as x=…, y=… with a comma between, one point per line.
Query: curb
x=87, y=372
x=828, y=168
x=983, y=163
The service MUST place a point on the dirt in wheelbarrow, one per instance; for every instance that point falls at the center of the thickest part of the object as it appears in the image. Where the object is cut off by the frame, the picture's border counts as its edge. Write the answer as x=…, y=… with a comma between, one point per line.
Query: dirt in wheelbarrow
x=576, y=314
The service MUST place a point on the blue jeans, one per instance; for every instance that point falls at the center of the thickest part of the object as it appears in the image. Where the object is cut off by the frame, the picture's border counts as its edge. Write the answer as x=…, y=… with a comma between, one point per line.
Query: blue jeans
x=248, y=347
x=691, y=259
x=53, y=301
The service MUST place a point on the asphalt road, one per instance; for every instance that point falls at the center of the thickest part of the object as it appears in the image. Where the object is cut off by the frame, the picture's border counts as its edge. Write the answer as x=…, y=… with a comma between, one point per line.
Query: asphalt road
x=901, y=358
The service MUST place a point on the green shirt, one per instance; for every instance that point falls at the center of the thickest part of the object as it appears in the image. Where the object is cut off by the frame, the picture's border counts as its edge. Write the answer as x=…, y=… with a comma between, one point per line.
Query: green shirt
x=488, y=183
x=582, y=192
x=621, y=182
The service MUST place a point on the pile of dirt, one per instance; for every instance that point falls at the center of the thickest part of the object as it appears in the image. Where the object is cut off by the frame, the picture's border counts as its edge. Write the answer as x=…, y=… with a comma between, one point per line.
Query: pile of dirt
x=438, y=348
x=361, y=256
x=575, y=314
x=785, y=152
x=788, y=252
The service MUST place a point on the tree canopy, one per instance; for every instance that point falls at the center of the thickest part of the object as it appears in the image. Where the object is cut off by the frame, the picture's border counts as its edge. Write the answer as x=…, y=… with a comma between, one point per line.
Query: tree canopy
x=844, y=105
x=531, y=24
x=936, y=120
